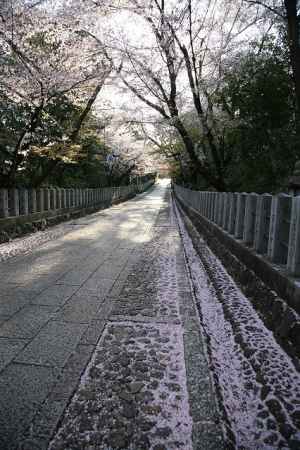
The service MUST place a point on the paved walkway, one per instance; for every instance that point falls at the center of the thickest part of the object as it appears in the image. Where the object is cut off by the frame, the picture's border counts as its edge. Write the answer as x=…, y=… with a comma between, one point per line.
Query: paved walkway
x=105, y=312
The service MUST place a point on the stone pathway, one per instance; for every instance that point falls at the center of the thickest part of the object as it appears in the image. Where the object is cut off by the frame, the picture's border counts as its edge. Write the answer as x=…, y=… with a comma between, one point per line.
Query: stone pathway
x=100, y=343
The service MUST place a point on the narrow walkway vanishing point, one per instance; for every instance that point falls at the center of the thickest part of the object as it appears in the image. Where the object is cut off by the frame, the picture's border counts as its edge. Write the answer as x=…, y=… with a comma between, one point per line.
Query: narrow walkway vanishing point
x=101, y=345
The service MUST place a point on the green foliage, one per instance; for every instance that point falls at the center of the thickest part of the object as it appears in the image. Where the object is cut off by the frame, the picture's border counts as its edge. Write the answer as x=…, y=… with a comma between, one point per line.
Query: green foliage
x=47, y=150
x=258, y=92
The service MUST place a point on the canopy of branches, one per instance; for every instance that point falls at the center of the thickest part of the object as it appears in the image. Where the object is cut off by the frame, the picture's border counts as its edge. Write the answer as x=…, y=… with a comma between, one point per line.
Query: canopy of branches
x=211, y=86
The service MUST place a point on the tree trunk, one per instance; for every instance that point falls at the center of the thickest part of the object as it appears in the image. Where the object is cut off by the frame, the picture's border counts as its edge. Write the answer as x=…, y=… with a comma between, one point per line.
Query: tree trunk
x=217, y=182
x=83, y=115
x=293, y=25
x=34, y=120
x=294, y=45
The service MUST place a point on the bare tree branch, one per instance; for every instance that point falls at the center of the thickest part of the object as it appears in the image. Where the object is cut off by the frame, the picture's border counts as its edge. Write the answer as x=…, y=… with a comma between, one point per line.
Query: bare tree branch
x=264, y=5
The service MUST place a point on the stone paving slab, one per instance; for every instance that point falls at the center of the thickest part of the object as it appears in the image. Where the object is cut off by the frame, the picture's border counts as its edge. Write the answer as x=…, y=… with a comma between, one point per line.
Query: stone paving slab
x=94, y=331
x=80, y=308
x=9, y=348
x=22, y=387
x=100, y=286
x=12, y=300
x=78, y=276
x=56, y=295
x=27, y=322
x=53, y=344
x=108, y=270
x=39, y=283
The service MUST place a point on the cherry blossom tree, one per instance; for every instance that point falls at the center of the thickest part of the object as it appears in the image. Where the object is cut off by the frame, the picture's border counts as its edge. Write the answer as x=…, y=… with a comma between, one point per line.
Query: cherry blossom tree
x=177, y=66
x=45, y=58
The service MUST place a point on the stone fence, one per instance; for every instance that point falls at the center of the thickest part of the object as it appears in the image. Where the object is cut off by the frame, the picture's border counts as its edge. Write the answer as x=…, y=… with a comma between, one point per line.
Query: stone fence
x=25, y=206
x=267, y=224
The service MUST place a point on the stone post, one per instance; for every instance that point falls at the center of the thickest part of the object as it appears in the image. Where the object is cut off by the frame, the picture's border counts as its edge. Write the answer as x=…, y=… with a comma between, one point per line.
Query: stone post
x=206, y=204
x=293, y=259
x=13, y=201
x=214, y=206
x=63, y=198
x=73, y=193
x=58, y=198
x=71, y=198
x=46, y=199
x=262, y=223
x=40, y=200
x=203, y=203
x=211, y=205
x=77, y=193
x=77, y=197
x=250, y=213
x=279, y=228
x=52, y=199
x=32, y=201
x=67, y=198
x=221, y=208
x=216, y=209
x=240, y=215
x=226, y=210
x=232, y=213
x=24, y=207
x=4, y=211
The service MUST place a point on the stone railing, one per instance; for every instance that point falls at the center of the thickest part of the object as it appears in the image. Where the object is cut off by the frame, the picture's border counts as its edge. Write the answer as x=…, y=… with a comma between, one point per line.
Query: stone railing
x=24, y=206
x=268, y=224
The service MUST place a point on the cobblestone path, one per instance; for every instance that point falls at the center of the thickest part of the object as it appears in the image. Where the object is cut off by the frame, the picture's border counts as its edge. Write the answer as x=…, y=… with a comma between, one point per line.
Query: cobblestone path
x=100, y=343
